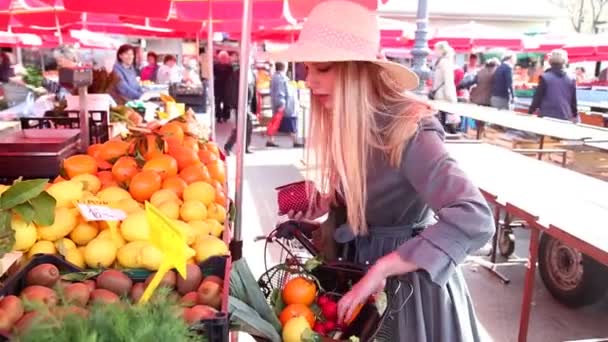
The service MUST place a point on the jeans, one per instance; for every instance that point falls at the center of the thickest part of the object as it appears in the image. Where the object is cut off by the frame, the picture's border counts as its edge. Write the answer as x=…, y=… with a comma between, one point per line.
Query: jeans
x=499, y=102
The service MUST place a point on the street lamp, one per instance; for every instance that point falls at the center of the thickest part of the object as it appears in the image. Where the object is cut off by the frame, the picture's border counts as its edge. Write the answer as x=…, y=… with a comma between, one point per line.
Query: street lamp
x=421, y=49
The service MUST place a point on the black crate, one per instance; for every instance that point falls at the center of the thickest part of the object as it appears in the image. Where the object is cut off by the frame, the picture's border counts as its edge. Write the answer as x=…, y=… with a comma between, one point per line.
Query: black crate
x=214, y=330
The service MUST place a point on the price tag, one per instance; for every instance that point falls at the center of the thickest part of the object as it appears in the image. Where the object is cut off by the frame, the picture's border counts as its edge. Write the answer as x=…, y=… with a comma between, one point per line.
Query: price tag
x=100, y=211
x=171, y=242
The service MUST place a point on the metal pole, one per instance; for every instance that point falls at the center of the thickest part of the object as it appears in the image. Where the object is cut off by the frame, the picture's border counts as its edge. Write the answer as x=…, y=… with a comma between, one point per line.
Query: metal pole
x=211, y=81
x=58, y=27
x=421, y=49
x=85, y=133
x=237, y=243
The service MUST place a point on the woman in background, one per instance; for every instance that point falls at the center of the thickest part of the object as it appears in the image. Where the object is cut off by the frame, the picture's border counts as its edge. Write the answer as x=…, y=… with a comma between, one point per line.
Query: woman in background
x=128, y=87
x=169, y=72
x=149, y=72
x=444, y=87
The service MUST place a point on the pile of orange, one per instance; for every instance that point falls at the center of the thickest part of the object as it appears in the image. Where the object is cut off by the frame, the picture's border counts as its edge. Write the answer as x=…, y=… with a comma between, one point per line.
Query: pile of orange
x=298, y=295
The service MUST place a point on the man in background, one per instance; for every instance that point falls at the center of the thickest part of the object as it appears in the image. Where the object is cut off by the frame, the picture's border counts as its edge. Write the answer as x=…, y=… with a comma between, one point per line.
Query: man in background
x=502, y=87
x=282, y=95
x=222, y=72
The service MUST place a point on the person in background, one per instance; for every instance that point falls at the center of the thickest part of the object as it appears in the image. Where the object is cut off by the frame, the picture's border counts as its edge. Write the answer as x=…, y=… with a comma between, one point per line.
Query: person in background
x=169, y=72
x=128, y=87
x=205, y=75
x=555, y=95
x=150, y=71
x=282, y=96
x=458, y=78
x=252, y=103
x=481, y=85
x=444, y=86
x=471, y=68
x=580, y=75
x=6, y=69
x=191, y=74
x=222, y=71
x=502, y=87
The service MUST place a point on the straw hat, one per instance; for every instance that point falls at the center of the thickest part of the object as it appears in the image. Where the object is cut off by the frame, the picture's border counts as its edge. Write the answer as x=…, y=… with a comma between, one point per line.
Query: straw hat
x=339, y=31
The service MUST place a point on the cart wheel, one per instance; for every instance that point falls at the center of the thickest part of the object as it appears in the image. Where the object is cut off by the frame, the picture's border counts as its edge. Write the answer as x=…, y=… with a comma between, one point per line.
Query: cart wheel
x=506, y=242
x=574, y=279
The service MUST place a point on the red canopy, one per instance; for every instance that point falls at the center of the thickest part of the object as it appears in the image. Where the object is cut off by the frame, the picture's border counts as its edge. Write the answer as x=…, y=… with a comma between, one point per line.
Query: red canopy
x=228, y=10
x=147, y=8
x=588, y=48
x=466, y=37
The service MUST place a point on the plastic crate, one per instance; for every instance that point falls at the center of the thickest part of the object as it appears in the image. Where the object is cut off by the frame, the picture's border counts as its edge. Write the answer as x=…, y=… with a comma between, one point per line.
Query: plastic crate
x=214, y=330
x=524, y=92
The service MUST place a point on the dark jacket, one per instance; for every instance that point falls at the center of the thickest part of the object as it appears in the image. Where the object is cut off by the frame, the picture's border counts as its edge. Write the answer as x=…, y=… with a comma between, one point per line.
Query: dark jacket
x=223, y=74
x=483, y=81
x=503, y=82
x=555, y=95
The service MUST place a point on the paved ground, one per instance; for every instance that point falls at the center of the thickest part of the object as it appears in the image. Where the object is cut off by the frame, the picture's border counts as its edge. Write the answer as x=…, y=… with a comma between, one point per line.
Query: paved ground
x=497, y=305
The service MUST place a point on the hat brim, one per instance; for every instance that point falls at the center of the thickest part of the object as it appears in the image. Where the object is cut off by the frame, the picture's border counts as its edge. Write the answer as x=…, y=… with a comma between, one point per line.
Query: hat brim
x=403, y=76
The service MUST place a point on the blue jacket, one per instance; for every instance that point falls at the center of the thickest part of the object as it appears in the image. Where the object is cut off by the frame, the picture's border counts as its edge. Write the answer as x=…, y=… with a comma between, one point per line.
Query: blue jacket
x=503, y=82
x=555, y=95
x=128, y=86
x=282, y=95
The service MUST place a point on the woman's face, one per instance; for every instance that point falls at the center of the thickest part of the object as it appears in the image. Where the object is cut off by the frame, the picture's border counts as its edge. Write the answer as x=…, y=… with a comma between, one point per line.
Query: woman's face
x=127, y=57
x=171, y=63
x=320, y=79
x=151, y=60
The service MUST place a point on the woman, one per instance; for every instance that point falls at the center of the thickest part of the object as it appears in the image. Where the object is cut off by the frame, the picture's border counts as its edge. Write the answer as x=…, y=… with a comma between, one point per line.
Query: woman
x=379, y=152
x=128, y=87
x=444, y=86
x=169, y=72
x=148, y=73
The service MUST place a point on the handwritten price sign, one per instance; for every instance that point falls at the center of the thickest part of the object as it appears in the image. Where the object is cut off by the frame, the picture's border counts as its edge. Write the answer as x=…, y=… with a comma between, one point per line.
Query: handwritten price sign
x=100, y=211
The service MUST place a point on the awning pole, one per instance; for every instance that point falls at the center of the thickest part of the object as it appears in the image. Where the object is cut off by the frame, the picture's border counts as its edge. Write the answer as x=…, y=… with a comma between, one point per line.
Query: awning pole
x=236, y=245
x=211, y=81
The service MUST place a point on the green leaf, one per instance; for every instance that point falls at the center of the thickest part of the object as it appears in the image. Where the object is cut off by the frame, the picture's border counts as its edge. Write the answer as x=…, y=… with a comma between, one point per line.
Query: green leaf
x=310, y=336
x=26, y=211
x=276, y=300
x=21, y=192
x=312, y=263
x=7, y=234
x=80, y=276
x=249, y=321
x=44, y=209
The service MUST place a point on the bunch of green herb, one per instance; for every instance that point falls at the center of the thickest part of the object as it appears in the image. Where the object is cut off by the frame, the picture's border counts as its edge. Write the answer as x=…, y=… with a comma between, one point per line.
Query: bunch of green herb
x=33, y=76
x=31, y=202
x=157, y=320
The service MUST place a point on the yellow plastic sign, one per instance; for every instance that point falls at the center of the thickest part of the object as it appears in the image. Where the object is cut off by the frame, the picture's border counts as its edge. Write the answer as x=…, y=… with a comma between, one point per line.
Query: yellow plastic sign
x=95, y=210
x=171, y=242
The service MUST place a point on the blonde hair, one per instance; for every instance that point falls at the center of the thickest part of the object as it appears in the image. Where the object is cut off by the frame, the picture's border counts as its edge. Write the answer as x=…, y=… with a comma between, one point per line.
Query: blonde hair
x=444, y=49
x=369, y=113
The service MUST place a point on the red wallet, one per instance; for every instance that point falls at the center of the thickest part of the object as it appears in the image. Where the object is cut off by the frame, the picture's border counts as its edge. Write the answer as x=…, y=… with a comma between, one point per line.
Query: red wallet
x=295, y=196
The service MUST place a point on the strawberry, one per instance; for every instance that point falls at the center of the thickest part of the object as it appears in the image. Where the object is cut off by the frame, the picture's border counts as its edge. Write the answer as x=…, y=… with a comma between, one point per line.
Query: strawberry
x=330, y=311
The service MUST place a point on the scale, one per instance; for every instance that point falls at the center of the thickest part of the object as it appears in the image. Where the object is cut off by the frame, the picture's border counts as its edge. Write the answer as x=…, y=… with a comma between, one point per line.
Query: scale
x=80, y=78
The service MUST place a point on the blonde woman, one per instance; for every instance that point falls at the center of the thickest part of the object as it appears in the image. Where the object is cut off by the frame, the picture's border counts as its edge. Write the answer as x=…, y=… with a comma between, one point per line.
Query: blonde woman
x=444, y=87
x=413, y=215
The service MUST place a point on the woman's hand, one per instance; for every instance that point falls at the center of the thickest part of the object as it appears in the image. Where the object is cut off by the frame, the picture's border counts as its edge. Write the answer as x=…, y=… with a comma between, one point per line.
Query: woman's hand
x=373, y=282
x=314, y=212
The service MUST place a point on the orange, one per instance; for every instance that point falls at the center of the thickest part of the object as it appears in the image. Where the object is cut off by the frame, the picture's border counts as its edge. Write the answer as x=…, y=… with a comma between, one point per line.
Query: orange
x=113, y=149
x=299, y=290
x=150, y=146
x=191, y=143
x=94, y=150
x=144, y=184
x=297, y=310
x=164, y=165
x=212, y=147
x=217, y=185
x=195, y=173
x=207, y=156
x=217, y=171
x=80, y=164
x=172, y=132
x=124, y=169
x=184, y=156
x=355, y=314
x=220, y=197
x=175, y=184
x=106, y=177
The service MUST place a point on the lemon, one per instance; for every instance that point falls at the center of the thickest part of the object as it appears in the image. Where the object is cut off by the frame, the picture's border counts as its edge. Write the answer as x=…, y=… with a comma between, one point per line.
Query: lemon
x=216, y=211
x=66, y=193
x=65, y=221
x=162, y=196
x=100, y=253
x=107, y=234
x=170, y=209
x=113, y=194
x=190, y=235
x=293, y=329
x=151, y=257
x=193, y=210
x=84, y=232
x=64, y=245
x=208, y=246
x=215, y=227
x=25, y=234
x=199, y=191
x=76, y=257
x=42, y=247
x=135, y=227
x=201, y=228
x=128, y=205
x=3, y=188
x=89, y=196
x=89, y=182
x=129, y=255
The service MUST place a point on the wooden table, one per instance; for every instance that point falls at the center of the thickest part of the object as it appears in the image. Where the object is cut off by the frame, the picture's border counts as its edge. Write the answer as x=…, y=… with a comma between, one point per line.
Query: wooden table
x=36, y=153
x=598, y=145
x=9, y=126
x=544, y=127
x=562, y=203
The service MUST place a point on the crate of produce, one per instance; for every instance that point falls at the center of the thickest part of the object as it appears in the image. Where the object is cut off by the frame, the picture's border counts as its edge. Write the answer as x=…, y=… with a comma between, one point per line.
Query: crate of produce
x=58, y=285
x=524, y=92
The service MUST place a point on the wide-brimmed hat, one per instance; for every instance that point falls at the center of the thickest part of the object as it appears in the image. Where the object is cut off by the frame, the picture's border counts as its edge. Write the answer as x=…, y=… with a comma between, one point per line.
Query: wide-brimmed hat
x=340, y=31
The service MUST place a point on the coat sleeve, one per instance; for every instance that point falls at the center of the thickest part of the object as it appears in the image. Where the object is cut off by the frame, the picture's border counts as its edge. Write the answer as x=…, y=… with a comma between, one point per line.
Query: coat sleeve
x=464, y=219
